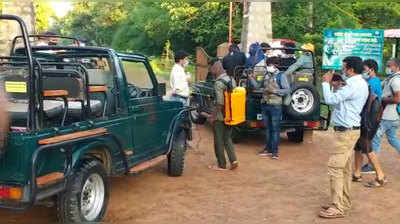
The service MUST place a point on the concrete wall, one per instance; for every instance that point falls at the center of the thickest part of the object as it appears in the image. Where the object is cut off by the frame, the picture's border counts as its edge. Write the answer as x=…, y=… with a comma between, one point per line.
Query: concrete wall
x=22, y=8
x=257, y=24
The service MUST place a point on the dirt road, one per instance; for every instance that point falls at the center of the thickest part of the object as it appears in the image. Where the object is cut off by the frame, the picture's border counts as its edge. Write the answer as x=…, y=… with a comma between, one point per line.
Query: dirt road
x=260, y=191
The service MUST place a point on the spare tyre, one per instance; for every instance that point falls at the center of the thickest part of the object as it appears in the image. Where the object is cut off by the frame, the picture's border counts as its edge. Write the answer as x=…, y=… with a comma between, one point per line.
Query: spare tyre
x=304, y=101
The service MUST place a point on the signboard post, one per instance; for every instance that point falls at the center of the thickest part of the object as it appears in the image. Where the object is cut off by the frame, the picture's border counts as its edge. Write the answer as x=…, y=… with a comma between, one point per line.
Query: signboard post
x=341, y=43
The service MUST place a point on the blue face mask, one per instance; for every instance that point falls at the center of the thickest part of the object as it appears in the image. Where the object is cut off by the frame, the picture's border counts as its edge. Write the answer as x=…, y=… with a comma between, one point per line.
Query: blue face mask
x=365, y=75
x=344, y=77
x=388, y=71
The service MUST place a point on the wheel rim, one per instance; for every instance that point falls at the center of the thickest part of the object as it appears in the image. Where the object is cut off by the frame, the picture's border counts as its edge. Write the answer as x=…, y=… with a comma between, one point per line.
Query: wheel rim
x=92, y=197
x=302, y=100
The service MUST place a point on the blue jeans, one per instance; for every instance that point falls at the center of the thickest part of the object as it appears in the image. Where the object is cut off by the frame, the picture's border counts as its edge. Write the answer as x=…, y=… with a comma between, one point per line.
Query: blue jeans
x=272, y=115
x=390, y=128
x=178, y=98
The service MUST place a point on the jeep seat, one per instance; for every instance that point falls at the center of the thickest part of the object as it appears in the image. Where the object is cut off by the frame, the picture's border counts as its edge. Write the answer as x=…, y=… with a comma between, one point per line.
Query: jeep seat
x=99, y=77
x=17, y=104
x=19, y=109
x=70, y=81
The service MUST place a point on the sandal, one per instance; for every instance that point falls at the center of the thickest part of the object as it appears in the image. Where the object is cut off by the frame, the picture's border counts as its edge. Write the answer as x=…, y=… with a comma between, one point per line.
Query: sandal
x=234, y=165
x=325, y=207
x=357, y=179
x=217, y=168
x=331, y=213
x=377, y=183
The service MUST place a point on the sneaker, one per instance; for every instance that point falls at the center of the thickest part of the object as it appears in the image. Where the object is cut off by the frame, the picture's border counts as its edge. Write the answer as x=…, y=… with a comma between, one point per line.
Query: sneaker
x=367, y=169
x=276, y=157
x=264, y=153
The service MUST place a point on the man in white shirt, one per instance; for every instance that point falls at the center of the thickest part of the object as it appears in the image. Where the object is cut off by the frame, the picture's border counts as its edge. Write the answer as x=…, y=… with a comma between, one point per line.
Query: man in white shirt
x=179, y=79
x=348, y=102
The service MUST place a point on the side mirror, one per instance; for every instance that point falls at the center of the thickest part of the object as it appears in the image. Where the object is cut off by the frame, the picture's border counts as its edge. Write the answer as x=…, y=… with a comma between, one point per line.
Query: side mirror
x=162, y=89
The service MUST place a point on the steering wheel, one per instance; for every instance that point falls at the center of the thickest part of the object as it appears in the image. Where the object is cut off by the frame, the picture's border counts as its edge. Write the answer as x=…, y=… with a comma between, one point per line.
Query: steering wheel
x=134, y=91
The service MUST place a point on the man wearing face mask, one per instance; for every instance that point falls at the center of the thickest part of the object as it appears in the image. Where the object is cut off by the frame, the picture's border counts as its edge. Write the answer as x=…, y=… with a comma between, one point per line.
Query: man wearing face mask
x=348, y=102
x=274, y=86
x=370, y=69
x=390, y=118
x=363, y=145
x=179, y=79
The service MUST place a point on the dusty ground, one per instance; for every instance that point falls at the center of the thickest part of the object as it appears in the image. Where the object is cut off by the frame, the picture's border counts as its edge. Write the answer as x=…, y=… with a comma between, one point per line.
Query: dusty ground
x=261, y=191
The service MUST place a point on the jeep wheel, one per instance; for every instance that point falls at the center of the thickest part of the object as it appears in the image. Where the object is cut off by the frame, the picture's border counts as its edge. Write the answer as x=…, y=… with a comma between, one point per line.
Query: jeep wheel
x=87, y=198
x=304, y=102
x=296, y=136
x=195, y=115
x=176, y=158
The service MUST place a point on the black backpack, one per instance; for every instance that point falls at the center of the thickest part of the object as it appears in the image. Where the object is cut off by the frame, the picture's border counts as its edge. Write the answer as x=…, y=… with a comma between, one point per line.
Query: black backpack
x=371, y=115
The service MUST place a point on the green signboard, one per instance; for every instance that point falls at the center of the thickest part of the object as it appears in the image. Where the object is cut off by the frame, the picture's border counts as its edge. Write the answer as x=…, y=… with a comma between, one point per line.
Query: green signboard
x=340, y=43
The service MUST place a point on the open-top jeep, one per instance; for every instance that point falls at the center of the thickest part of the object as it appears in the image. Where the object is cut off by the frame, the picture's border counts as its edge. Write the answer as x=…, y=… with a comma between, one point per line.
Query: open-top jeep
x=304, y=111
x=79, y=115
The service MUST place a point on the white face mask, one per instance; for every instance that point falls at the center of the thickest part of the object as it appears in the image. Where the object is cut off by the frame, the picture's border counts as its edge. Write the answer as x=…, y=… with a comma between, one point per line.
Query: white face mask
x=344, y=77
x=272, y=69
x=366, y=75
x=186, y=63
x=388, y=71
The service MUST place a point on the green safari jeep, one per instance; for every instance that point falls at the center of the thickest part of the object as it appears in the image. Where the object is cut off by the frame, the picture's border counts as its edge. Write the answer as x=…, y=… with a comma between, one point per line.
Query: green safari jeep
x=79, y=115
x=304, y=112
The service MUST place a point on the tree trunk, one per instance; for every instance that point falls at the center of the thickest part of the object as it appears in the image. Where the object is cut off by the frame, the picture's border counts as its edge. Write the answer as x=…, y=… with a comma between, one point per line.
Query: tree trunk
x=311, y=15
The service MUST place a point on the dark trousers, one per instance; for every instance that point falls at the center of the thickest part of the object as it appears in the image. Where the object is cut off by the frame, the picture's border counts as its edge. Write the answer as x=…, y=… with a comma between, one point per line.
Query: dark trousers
x=223, y=140
x=272, y=120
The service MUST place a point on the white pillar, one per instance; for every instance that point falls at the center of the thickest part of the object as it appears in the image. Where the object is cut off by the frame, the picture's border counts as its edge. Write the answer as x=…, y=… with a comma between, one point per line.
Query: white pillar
x=21, y=8
x=257, y=24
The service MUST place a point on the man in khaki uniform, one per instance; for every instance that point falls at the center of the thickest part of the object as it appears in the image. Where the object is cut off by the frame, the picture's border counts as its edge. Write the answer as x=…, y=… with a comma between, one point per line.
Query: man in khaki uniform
x=222, y=132
x=348, y=102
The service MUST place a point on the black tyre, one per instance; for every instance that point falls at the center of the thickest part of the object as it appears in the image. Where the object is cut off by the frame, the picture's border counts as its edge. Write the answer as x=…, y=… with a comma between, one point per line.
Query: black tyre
x=195, y=115
x=176, y=158
x=296, y=136
x=305, y=101
x=86, y=199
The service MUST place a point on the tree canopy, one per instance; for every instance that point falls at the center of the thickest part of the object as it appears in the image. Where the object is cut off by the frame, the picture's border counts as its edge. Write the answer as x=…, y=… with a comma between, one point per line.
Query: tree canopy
x=43, y=15
x=146, y=26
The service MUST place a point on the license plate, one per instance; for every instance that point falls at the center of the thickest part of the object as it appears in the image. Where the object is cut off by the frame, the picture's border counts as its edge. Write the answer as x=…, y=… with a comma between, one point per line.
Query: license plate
x=259, y=117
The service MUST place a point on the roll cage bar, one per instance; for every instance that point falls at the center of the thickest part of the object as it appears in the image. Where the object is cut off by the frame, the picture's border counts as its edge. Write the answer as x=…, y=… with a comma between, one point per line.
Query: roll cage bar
x=28, y=53
x=75, y=40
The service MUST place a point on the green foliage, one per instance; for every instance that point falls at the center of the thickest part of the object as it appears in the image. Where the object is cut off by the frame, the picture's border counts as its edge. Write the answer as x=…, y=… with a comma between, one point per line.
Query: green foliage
x=43, y=14
x=96, y=21
x=292, y=19
x=168, y=54
x=160, y=27
x=145, y=26
x=144, y=30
